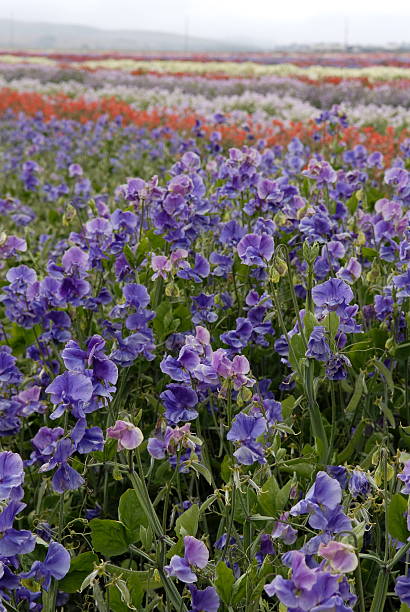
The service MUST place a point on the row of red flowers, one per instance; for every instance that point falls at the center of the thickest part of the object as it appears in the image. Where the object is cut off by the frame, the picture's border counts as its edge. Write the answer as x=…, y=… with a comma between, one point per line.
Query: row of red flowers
x=274, y=132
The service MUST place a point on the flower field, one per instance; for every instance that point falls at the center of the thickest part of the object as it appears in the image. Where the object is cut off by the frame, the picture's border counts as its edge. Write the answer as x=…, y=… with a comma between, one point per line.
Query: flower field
x=204, y=339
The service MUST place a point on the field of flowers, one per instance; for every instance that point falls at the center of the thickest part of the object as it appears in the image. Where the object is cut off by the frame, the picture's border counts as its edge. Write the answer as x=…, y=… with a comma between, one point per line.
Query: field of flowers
x=204, y=333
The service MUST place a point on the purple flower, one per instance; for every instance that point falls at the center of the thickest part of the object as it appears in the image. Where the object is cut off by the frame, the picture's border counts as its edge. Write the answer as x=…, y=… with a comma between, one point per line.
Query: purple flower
x=179, y=402
x=402, y=589
x=332, y=295
x=65, y=477
x=13, y=541
x=351, y=272
x=404, y=476
x=284, y=531
x=246, y=427
x=320, y=171
x=206, y=600
x=402, y=282
x=359, y=484
x=69, y=389
x=161, y=266
x=322, y=502
x=75, y=170
x=383, y=306
x=128, y=435
x=11, y=473
x=9, y=373
x=75, y=262
x=256, y=249
x=196, y=555
x=306, y=589
x=318, y=347
x=45, y=443
x=339, y=472
x=245, y=430
x=94, y=358
x=55, y=565
x=136, y=295
x=336, y=367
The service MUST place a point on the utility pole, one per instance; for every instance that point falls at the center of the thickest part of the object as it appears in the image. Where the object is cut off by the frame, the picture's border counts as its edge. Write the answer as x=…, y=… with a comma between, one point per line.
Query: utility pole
x=11, y=32
x=346, y=33
x=186, y=34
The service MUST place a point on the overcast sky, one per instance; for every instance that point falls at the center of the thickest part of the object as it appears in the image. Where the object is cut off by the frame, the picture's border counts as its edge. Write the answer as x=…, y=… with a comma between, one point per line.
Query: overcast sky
x=268, y=22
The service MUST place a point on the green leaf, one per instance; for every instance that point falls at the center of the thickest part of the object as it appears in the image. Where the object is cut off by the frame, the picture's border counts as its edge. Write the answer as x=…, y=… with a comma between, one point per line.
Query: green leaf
x=131, y=514
x=331, y=323
x=359, y=389
x=309, y=322
x=187, y=523
x=272, y=499
x=288, y=405
x=109, y=537
x=396, y=521
x=80, y=567
x=137, y=582
x=352, y=203
x=298, y=350
x=402, y=351
x=369, y=253
x=404, y=608
x=226, y=466
x=224, y=581
x=20, y=338
x=386, y=373
x=354, y=443
x=201, y=469
x=300, y=467
x=239, y=588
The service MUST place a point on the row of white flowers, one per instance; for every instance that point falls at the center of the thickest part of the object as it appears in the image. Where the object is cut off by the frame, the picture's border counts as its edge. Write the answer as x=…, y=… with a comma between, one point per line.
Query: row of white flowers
x=261, y=107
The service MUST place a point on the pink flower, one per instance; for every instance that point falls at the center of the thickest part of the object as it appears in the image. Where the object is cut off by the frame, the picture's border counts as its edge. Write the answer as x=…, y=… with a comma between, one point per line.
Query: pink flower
x=161, y=266
x=341, y=556
x=128, y=435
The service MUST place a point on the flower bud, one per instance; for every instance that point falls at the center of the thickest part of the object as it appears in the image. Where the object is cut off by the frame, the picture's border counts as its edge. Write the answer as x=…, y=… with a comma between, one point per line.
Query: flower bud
x=310, y=252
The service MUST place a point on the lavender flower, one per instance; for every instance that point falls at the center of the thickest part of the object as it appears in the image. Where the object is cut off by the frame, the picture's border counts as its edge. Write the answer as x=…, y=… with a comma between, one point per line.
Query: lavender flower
x=255, y=249
x=196, y=555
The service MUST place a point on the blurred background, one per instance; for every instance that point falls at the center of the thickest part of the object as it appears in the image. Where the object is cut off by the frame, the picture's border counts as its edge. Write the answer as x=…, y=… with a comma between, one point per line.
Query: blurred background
x=193, y=26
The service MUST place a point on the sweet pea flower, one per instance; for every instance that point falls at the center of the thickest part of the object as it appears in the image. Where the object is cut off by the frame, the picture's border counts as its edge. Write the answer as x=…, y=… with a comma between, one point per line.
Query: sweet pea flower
x=351, y=271
x=196, y=555
x=318, y=347
x=128, y=435
x=206, y=600
x=55, y=565
x=402, y=589
x=256, y=249
x=69, y=389
x=341, y=556
x=11, y=473
x=161, y=266
x=332, y=295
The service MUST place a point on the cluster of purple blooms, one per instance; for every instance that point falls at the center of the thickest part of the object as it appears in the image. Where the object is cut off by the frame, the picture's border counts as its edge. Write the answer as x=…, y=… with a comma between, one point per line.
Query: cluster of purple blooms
x=16, y=542
x=178, y=275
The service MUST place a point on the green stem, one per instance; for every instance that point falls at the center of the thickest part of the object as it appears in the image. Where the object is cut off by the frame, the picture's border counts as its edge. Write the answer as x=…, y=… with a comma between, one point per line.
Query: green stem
x=171, y=590
x=140, y=488
x=315, y=417
x=334, y=418
x=380, y=592
x=229, y=530
x=359, y=589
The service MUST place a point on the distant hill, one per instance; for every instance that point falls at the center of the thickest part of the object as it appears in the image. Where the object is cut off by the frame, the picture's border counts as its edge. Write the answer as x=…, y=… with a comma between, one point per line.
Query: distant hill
x=31, y=35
